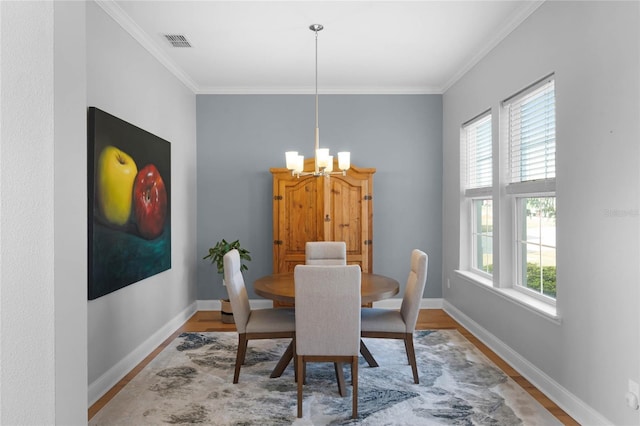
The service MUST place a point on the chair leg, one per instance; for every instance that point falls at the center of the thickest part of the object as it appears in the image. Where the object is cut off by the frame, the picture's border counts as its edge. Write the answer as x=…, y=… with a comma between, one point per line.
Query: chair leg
x=300, y=368
x=411, y=355
x=295, y=360
x=340, y=378
x=354, y=382
x=242, y=351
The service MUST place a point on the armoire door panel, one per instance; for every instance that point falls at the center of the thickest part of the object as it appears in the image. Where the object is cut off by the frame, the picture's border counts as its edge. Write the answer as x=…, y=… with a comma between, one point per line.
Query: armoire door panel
x=300, y=219
x=347, y=214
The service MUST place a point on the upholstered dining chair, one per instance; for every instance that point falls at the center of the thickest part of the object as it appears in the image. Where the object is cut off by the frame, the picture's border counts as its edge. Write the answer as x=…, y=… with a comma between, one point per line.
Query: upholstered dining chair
x=325, y=253
x=393, y=324
x=252, y=324
x=327, y=320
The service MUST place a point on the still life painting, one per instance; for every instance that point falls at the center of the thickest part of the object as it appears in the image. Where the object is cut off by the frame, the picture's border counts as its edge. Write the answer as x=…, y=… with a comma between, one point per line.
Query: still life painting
x=129, y=203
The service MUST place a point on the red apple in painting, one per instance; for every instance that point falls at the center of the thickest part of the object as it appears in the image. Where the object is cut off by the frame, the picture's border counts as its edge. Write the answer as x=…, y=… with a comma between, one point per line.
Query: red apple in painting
x=150, y=202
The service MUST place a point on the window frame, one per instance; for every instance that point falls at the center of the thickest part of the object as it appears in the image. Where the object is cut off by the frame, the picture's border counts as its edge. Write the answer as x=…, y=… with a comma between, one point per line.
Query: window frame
x=518, y=189
x=516, y=251
x=473, y=264
x=476, y=192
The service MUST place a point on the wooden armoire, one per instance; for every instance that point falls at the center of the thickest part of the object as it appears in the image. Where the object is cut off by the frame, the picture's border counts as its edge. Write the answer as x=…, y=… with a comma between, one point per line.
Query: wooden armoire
x=335, y=208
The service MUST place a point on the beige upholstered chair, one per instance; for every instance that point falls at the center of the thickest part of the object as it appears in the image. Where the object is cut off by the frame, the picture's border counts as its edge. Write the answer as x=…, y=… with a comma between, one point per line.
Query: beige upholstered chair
x=325, y=253
x=252, y=324
x=327, y=320
x=392, y=324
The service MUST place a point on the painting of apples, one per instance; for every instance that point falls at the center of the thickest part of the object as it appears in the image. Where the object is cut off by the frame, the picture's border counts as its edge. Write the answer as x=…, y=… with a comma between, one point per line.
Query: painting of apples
x=129, y=203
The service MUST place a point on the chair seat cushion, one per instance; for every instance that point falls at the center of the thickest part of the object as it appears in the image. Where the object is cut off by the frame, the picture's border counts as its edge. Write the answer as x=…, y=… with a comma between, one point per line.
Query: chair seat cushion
x=271, y=320
x=386, y=320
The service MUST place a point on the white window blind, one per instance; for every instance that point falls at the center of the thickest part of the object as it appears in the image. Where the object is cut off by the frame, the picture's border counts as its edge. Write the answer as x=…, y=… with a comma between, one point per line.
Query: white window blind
x=479, y=158
x=532, y=133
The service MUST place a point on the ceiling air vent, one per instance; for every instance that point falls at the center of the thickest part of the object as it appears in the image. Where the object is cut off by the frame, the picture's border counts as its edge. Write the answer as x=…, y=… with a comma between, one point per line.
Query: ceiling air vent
x=177, y=40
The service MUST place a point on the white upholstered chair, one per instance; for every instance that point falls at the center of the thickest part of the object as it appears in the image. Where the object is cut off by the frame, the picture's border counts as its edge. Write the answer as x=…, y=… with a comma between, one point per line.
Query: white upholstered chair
x=325, y=253
x=252, y=324
x=327, y=320
x=392, y=324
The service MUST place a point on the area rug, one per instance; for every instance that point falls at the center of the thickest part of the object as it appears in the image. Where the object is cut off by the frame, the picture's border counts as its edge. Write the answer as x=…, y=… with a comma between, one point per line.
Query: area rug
x=189, y=382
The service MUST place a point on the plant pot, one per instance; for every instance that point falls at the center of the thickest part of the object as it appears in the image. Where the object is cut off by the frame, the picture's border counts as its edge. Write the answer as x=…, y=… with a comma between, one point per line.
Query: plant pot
x=226, y=312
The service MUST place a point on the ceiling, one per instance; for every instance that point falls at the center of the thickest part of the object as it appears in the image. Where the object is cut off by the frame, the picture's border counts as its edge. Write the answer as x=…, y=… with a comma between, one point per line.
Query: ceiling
x=239, y=46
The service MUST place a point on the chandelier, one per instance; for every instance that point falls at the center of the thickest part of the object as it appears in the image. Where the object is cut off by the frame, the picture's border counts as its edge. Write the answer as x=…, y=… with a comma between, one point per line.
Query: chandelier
x=323, y=161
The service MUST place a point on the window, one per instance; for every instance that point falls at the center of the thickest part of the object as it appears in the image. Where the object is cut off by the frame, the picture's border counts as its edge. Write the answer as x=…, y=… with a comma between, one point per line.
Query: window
x=537, y=244
x=476, y=135
x=482, y=235
x=508, y=199
x=532, y=172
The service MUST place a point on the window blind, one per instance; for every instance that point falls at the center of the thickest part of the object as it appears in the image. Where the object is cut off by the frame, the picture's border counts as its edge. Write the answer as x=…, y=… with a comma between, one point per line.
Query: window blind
x=479, y=157
x=532, y=133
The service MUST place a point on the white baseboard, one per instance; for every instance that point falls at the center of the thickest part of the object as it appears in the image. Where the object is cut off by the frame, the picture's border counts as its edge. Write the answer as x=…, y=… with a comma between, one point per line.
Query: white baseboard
x=110, y=378
x=395, y=304
x=570, y=403
x=214, y=305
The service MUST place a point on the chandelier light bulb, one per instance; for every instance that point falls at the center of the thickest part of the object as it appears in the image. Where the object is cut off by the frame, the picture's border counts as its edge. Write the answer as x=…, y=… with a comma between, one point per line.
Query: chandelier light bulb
x=291, y=157
x=344, y=160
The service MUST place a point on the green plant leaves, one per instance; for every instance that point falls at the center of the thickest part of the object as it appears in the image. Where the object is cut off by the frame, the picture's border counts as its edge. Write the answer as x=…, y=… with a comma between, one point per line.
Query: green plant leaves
x=217, y=252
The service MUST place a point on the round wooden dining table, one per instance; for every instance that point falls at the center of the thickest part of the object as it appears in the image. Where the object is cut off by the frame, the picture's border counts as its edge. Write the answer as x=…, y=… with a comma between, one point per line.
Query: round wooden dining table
x=281, y=287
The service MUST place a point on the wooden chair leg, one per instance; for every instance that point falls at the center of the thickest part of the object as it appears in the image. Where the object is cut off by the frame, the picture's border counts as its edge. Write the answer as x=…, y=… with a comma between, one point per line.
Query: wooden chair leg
x=300, y=368
x=295, y=361
x=340, y=378
x=411, y=355
x=354, y=381
x=242, y=351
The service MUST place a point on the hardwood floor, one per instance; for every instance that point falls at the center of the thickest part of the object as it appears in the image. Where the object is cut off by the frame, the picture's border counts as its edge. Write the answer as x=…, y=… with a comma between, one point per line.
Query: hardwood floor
x=429, y=319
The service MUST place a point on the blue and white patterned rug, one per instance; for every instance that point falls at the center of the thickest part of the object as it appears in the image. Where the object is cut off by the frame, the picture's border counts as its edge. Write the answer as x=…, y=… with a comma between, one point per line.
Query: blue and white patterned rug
x=189, y=382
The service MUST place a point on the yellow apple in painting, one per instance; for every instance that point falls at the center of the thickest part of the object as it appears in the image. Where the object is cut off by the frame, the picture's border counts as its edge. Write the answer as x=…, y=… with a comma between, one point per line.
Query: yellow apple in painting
x=115, y=175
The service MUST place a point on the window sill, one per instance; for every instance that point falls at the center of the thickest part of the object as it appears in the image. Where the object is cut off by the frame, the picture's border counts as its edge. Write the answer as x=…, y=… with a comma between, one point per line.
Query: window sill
x=532, y=304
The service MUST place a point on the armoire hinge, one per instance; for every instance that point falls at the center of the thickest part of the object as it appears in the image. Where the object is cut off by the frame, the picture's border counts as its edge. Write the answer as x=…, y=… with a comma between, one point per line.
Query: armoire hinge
x=277, y=197
x=368, y=197
x=368, y=242
x=277, y=242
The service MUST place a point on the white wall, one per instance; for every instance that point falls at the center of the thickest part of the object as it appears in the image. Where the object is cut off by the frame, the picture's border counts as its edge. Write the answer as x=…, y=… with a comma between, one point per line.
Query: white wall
x=124, y=80
x=43, y=354
x=26, y=219
x=70, y=204
x=594, y=49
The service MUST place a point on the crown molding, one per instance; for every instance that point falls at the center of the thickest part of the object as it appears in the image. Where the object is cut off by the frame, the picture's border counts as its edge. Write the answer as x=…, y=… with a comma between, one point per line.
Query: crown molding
x=120, y=16
x=324, y=91
x=513, y=22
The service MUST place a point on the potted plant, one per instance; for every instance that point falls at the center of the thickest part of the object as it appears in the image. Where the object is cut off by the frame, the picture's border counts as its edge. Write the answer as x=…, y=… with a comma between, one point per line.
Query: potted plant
x=216, y=254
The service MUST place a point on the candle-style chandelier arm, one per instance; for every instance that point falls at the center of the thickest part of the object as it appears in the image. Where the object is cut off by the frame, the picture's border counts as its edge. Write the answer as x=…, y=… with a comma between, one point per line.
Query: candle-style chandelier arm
x=323, y=161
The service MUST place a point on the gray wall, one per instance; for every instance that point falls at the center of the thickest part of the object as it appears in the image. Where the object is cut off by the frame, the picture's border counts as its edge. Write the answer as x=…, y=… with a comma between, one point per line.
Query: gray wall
x=241, y=136
x=593, y=47
x=123, y=79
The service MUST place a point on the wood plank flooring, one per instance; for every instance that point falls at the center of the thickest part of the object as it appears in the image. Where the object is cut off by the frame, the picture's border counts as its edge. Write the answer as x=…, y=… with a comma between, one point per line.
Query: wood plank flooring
x=429, y=319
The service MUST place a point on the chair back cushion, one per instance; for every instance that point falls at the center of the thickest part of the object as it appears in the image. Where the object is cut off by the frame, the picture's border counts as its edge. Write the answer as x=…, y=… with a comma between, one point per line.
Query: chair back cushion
x=236, y=289
x=327, y=310
x=416, y=281
x=326, y=253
